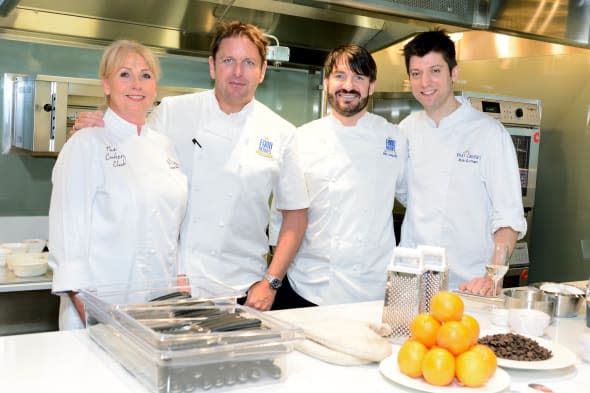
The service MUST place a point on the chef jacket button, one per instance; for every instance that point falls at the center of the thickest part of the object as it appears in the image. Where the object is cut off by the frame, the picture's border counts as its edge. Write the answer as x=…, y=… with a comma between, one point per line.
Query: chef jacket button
x=221, y=224
x=213, y=253
x=333, y=180
x=229, y=194
x=356, y=268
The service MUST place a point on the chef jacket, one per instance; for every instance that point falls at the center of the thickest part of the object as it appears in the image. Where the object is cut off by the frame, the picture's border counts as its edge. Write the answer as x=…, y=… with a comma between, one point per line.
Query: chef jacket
x=117, y=204
x=234, y=162
x=464, y=184
x=352, y=175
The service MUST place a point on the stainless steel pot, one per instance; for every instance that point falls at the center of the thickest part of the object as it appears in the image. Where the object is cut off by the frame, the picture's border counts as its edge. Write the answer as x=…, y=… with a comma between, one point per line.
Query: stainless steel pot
x=531, y=298
x=567, y=298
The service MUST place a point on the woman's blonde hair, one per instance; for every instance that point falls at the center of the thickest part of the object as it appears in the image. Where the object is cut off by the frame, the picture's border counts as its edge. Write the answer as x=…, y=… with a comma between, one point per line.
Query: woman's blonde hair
x=116, y=53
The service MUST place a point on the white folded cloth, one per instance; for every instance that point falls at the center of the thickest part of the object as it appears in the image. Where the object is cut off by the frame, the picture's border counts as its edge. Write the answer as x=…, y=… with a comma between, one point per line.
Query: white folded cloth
x=345, y=342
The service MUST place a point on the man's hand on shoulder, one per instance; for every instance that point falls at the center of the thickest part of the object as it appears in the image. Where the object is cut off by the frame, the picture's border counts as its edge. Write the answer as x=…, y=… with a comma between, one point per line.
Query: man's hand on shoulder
x=88, y=119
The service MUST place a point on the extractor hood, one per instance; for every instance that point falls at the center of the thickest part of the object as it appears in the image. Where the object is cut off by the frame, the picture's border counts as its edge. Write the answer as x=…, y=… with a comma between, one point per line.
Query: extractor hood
x=310, y=28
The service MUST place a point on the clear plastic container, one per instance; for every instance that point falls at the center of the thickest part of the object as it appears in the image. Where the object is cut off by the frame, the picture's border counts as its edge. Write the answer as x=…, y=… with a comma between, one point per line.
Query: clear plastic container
x=190, y=344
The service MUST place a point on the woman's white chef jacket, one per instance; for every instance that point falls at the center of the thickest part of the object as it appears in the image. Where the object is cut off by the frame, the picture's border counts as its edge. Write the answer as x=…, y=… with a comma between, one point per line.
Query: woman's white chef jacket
x=234, y=162
x=117, y=205
x=352, y=175
x=463, y=185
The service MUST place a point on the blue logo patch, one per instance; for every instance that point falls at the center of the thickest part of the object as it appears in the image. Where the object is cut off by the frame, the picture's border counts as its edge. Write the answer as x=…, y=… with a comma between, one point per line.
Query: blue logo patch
x=390, y=148
x=264, y=147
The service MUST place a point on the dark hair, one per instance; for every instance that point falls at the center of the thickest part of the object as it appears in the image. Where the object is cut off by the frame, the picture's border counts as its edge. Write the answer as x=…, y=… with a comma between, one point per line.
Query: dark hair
x=431, y=41
x=358, y=59
x=239, y=29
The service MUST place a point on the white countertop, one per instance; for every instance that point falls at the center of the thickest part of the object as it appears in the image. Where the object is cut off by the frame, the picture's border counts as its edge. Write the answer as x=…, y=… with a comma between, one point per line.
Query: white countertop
x=71, y=362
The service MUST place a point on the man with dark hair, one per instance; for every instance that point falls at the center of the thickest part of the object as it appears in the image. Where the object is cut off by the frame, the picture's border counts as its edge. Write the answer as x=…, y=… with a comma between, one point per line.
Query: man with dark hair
x=354, y=164
x=463, y=178
x=236, y=152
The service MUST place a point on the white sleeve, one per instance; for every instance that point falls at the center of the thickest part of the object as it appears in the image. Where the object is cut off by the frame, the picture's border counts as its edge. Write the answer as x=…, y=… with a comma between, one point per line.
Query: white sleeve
x=401, y=186
x=291, y=192
x=502, y=180
x=74, y=178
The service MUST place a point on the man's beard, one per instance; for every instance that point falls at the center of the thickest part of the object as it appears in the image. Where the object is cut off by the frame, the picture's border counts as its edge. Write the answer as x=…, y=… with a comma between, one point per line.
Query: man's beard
x=347, y=110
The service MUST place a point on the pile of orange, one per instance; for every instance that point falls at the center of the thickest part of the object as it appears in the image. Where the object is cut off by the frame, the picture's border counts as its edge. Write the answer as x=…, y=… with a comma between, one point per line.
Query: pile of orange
x=443, y=346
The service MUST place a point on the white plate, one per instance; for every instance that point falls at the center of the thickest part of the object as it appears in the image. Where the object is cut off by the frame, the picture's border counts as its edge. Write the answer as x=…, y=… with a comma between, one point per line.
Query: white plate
x=389, y=368
x=562, y=357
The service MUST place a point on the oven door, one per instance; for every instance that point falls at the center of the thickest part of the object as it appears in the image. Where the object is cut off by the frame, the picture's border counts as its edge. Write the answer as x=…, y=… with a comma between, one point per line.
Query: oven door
x=526, y=144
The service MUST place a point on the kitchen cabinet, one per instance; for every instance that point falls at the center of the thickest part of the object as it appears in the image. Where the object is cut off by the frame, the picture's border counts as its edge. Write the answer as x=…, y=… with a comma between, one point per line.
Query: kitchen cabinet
x=26, y=304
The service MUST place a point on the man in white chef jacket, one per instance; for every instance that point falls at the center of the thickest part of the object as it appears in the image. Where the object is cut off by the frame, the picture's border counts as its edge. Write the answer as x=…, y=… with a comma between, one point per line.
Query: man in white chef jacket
x=463, y=179
x=236, y=152
x=354, y=163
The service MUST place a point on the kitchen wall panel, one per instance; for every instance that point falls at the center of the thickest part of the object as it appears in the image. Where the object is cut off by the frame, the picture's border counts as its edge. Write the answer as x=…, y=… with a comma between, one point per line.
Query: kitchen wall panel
x=25, y=184
x=560, y=78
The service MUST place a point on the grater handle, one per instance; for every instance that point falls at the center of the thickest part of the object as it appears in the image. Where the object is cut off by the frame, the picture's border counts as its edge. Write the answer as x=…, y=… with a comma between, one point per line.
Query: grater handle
x=406, y=260
x=434, y=258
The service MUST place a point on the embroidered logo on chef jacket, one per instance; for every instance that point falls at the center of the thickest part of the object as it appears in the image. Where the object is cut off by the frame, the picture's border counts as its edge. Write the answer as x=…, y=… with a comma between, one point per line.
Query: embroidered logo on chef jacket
x=172, y=164
x=264, y=147
x=468, y=157
x=113, y=155
x=390, y=148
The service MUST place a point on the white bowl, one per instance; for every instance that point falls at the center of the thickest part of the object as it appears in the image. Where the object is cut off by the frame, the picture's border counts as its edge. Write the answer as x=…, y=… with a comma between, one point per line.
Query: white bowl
x=15, y=248
x=499, y=316
x=29, y=264
x=3, y=253
x=528, y=321
x=35, y=245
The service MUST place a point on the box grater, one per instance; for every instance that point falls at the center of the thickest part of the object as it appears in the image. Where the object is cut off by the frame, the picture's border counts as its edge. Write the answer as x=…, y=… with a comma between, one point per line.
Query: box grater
x=403, y=291
x=436, y=273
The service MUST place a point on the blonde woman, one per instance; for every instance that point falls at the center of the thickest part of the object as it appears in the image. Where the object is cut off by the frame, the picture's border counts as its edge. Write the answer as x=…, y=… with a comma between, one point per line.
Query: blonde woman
x=119, y=195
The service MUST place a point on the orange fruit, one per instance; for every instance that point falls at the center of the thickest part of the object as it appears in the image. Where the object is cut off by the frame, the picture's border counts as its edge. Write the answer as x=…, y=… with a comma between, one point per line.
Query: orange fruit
x=472, y=369
x=488, y=355
x=472, y=326
x=424, y=328
x=410, y=356
x=453, y=336
x=446, y=306
x=438, y=367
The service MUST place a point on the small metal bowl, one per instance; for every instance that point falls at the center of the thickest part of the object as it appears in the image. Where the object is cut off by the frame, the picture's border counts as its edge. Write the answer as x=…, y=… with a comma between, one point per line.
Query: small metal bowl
x=529, y=298
x=567, y=297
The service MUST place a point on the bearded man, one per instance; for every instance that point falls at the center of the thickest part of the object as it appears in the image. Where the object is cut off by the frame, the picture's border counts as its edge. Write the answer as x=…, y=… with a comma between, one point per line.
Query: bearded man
x=354, y=164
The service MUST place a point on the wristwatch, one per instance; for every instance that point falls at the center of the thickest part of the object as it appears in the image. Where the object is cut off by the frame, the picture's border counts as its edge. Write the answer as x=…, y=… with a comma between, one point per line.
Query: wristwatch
x=275, y=282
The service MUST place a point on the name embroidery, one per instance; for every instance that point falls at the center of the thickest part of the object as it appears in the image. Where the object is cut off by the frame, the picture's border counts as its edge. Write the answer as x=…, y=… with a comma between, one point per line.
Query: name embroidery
x=264, y=147
x=112, y=154
x=172, y=164
x=468, y=158
x=390, y=148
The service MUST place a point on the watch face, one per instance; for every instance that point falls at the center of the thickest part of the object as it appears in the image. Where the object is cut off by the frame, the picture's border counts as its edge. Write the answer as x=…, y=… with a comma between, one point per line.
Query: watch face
x=275, y=283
